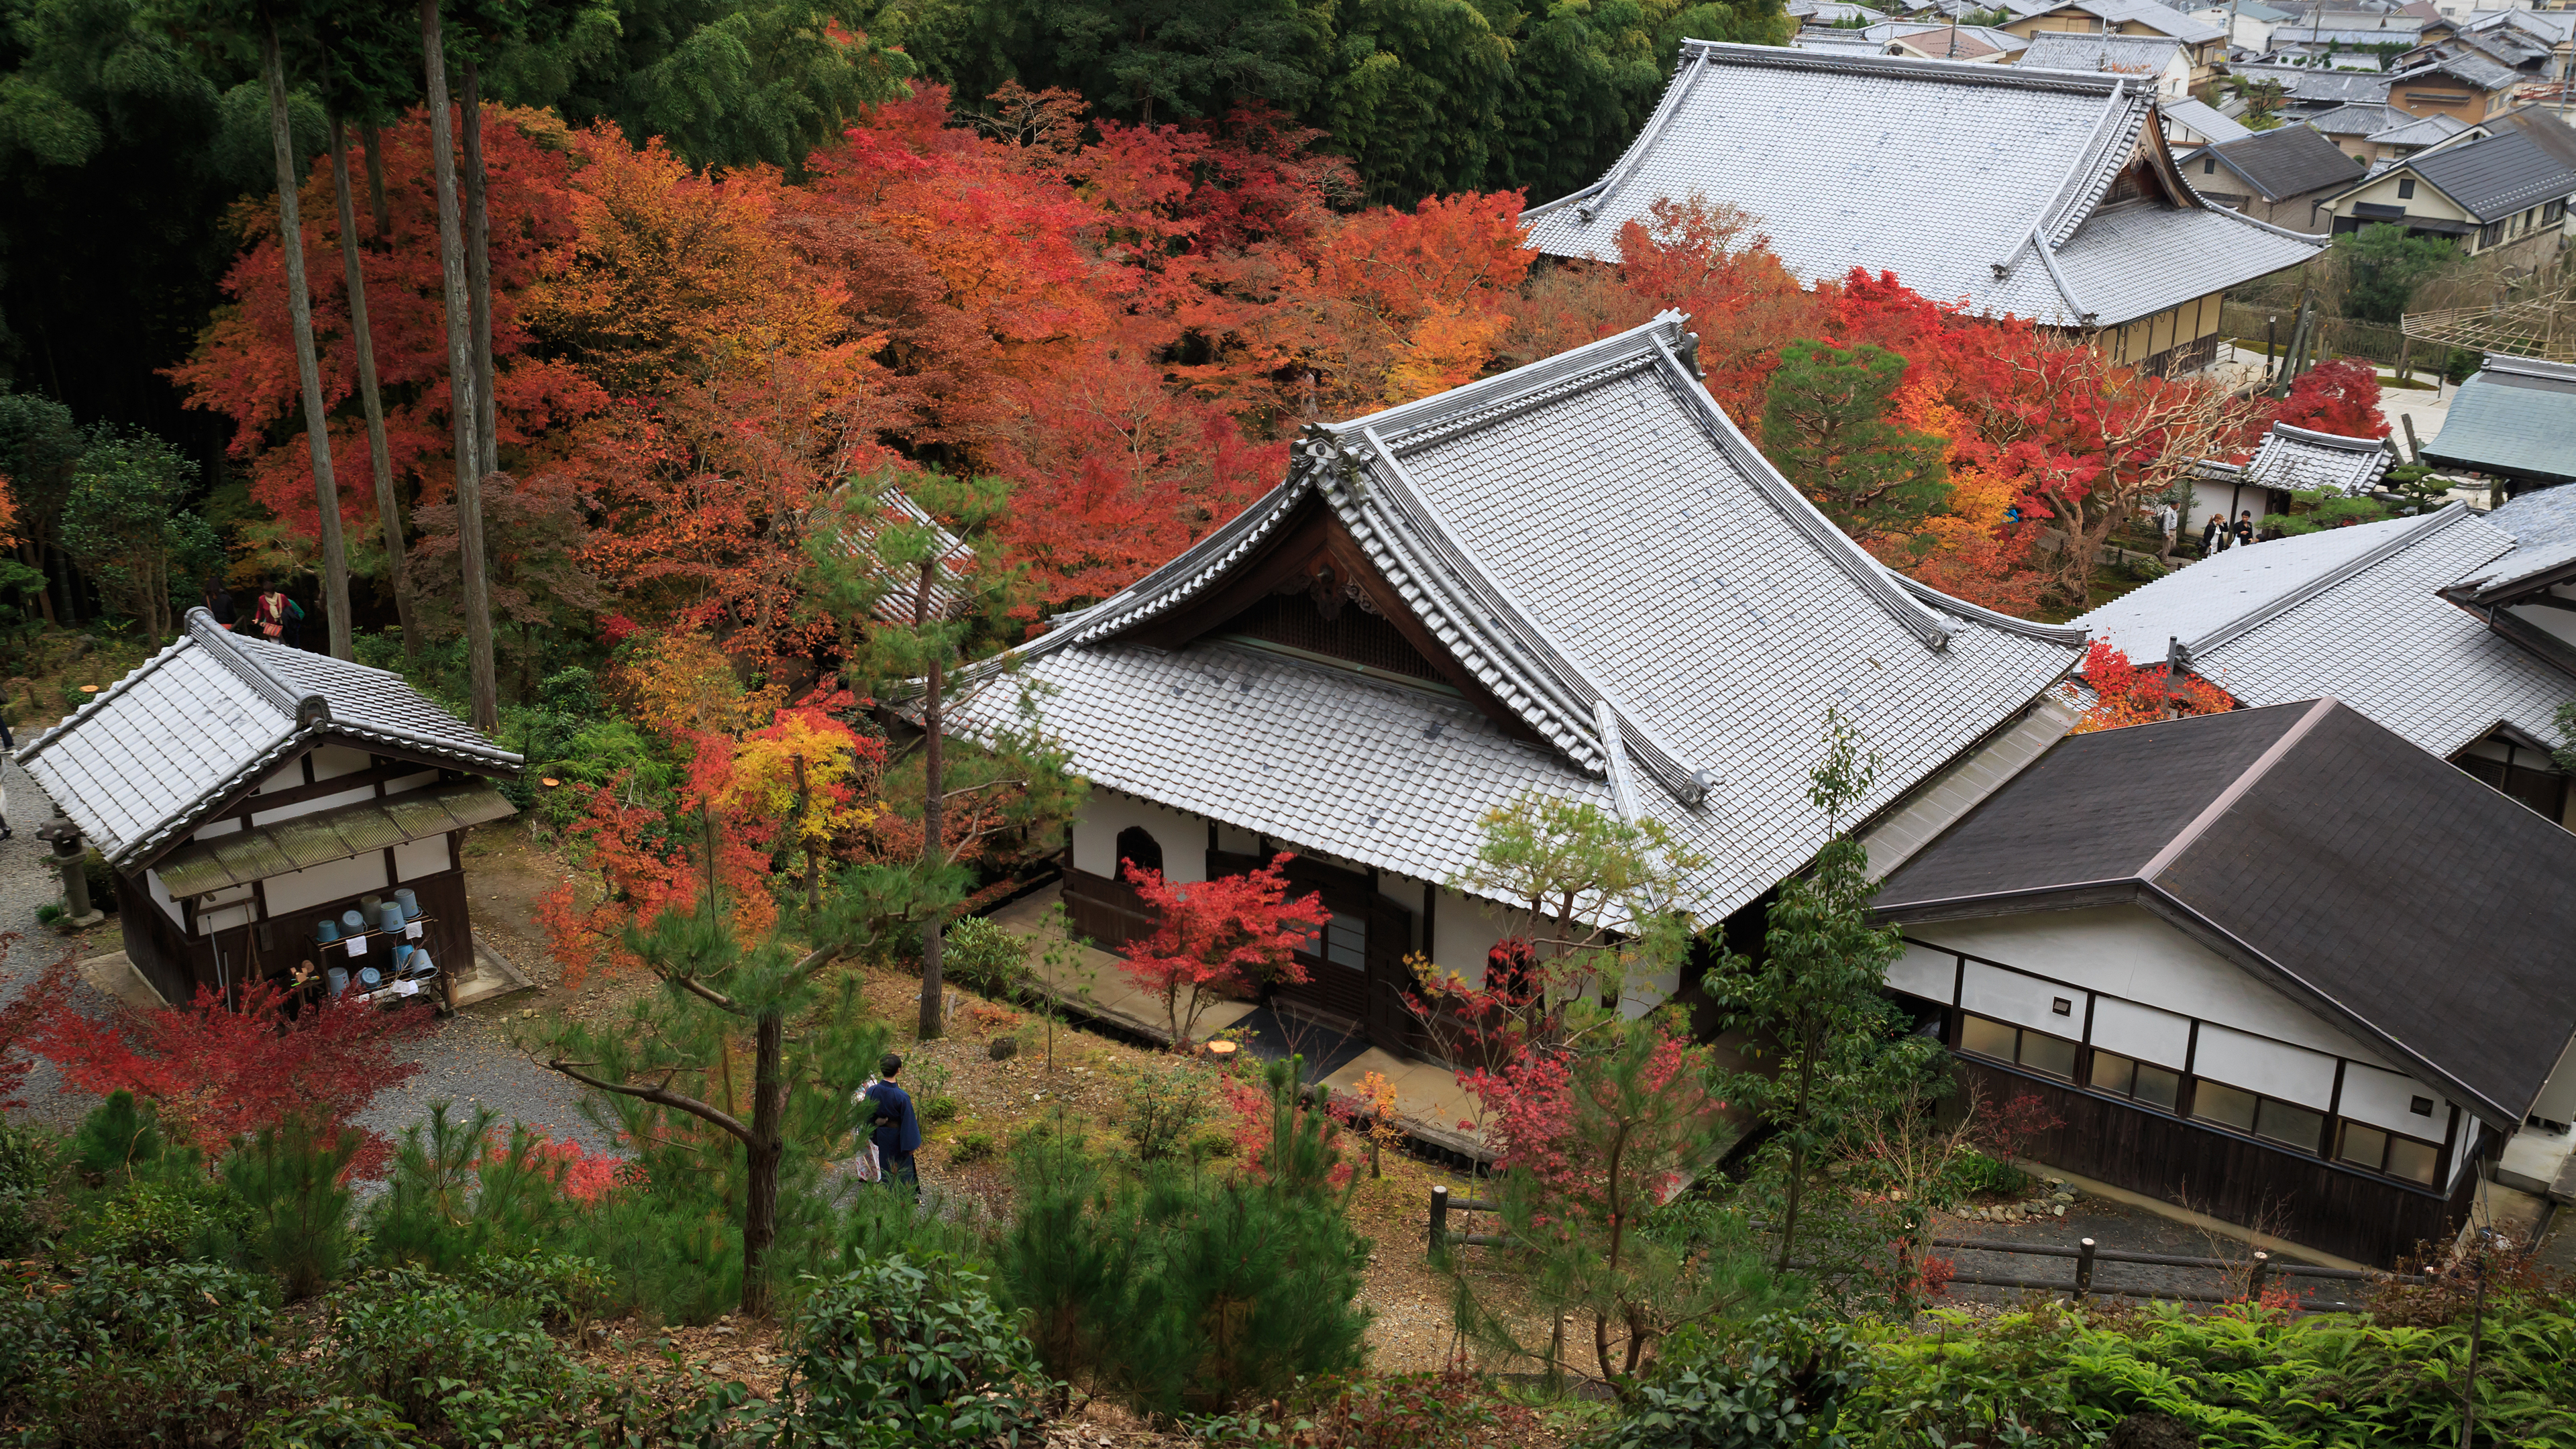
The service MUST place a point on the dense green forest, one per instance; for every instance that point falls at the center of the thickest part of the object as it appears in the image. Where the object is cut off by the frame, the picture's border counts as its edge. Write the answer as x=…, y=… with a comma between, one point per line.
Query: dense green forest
x=129, y=129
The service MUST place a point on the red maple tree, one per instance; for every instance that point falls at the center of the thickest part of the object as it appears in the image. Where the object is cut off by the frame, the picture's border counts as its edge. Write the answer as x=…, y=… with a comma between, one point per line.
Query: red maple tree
x=216, y=1072
x=46, y=996
x=1220, y=936
x=2339, y=397
x=2125, y=694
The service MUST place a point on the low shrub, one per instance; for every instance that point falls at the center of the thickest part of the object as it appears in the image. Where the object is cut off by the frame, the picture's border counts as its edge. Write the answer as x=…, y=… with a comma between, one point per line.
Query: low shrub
x=1159, y=1109
x=935, y=1111
x=150, y=1222
x=1778, y=1380
x=971, y=1148
x=119, y=1353
x=982, y=956
x=898, y=1352
x=27, y=1167
x=462, y=1367
x=1176, y=1291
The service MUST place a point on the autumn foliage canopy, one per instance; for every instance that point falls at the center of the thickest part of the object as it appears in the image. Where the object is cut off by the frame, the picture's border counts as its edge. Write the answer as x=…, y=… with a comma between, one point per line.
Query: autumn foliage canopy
x=1126, y=322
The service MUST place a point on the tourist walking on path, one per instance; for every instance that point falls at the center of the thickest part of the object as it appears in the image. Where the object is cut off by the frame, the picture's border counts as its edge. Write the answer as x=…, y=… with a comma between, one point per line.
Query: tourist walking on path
x=898, y=1129
x=2213, y=536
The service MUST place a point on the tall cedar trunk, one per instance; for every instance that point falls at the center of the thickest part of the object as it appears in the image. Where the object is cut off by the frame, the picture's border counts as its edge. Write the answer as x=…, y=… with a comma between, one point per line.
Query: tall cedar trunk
x=376, y=183
x=485, y=695
x=761, y=1155
x=34, y=558
x=934, y=781
x=299, y=308
x=478, y=268
x=388, y=514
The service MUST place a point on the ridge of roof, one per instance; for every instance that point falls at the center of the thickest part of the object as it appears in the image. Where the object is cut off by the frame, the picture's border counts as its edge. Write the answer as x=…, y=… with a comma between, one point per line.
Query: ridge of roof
x=2538, y=367
x=136, y=825
x=2400, y=539
x=2298, y=434
x=1358, y=469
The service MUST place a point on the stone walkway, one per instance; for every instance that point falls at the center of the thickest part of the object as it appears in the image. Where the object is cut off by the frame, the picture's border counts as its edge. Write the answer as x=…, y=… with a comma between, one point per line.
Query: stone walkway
x=1428, y=1098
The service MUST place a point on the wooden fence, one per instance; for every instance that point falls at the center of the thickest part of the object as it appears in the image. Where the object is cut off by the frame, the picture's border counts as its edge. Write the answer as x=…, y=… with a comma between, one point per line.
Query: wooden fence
x=2257, y=1271
x=2342, y=336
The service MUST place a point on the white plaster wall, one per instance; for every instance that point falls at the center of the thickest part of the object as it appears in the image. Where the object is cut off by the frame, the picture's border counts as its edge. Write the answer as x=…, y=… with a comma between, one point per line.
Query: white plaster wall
x=2010, y=996
x=160, y=894
x=416, y=858
x=1184, y=837
x=2557, y=1099
x=2289, y=1073
x=301, y=890
x=331, y=761
x=1465, y=930
x=2142, y=1032
x=2127, y=952
x=2385, y=1099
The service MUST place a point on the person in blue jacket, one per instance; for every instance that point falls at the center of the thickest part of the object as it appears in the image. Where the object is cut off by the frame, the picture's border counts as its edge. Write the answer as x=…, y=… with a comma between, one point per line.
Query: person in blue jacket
x=898, y=1130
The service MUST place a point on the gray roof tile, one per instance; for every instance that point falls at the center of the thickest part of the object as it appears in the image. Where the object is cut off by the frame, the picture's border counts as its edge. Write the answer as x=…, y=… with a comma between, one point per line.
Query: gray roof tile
x=2542, y=525
x=1938, y=171
x=1587, y=528
x=2517, y=416
x=2494, y=177
x=2356, y=613
x=141, y=764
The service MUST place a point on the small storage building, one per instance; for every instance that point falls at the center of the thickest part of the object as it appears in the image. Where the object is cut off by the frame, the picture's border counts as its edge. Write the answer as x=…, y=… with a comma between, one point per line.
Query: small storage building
x=244, y=793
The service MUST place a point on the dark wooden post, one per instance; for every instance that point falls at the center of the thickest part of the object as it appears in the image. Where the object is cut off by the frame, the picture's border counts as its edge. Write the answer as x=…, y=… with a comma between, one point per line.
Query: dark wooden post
x=2271, y=344
x=2084, y=1267
x=2262, y=1270
x=1439, y=1219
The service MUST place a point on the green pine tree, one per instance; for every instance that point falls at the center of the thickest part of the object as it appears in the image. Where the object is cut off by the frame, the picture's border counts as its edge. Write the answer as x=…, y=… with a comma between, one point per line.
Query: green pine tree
x=1825, y=426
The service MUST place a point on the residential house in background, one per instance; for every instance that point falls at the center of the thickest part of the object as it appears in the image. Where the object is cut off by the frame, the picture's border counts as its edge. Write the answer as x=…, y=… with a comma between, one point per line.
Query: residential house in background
x=2515, y=420
x=2248, y=24
x=2204, y=44
x=2499, y=193
x=2277, y=622
x=2465, y=87
x=1935, y=40
x=2363, y=39
x=2538, y=45
x=2307, y=90
x=2190, y=123
x=2276, y=965
x=249, y=796
x=2044, y=194
x=2372, y=134
x=1574, y=579
x=2160, y=58
x=2288, y=460
x=2277, y=175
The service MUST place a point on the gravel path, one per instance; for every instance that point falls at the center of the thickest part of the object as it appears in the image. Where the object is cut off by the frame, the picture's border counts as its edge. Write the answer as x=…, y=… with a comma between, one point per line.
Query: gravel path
x=466, y=1058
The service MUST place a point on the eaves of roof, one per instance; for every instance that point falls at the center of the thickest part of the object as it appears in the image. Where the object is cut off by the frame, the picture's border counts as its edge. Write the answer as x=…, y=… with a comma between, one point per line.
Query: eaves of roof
x=2274, y=843
x=110, y=747
x=1613, y=567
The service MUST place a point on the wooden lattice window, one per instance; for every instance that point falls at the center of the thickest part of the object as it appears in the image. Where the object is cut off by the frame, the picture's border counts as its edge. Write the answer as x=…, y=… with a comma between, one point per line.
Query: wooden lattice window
x=1350, y=632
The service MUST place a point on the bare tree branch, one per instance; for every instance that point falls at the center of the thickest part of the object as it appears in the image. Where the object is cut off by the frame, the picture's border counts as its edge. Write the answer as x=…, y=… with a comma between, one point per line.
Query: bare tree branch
x=690, y=1105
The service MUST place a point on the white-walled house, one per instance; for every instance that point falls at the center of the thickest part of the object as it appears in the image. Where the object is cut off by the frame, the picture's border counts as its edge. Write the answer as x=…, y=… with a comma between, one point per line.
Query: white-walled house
x=2277, y=965
x=1575, y=579
x=244, y=792
x=2440, y=627
x=2288, y=460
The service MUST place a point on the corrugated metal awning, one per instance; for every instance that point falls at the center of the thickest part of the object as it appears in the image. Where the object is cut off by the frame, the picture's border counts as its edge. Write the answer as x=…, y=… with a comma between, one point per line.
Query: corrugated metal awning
x=324, y=836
